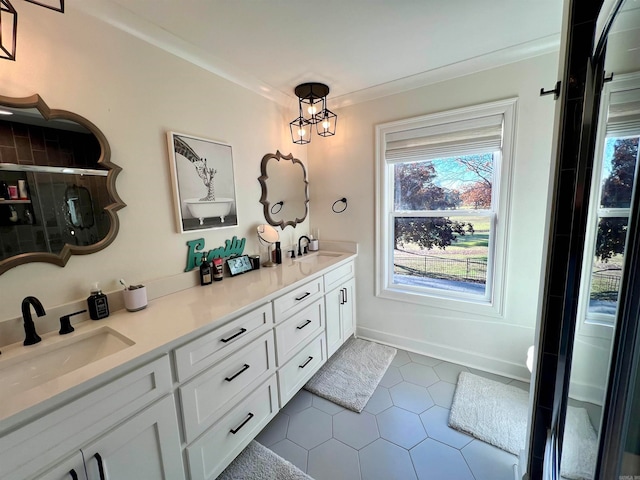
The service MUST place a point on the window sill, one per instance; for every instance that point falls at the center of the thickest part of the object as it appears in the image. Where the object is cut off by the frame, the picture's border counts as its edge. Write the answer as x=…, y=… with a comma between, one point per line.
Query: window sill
x=475, y=306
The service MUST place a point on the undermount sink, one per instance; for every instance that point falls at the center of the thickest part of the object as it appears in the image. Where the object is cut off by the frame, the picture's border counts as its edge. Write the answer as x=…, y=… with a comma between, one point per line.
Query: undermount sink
x=36, y=367
x=317, y=257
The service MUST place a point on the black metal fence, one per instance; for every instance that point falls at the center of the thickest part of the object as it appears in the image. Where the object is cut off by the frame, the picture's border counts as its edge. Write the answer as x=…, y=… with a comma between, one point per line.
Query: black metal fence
x=466, y=269
x=605, y=282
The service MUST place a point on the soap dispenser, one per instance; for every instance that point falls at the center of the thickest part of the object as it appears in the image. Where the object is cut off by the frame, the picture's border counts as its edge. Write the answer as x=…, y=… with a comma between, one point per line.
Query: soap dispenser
x=278, y=253
x=98, y=304
x=205, y=272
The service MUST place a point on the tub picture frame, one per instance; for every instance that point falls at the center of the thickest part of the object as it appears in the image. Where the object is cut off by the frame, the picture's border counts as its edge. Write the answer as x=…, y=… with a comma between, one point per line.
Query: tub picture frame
x=203, y=182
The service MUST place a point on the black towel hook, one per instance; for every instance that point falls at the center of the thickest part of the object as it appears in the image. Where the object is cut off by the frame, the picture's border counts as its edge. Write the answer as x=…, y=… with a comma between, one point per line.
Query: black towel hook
x=555, y=91
x=277, y=204
x=340, y=200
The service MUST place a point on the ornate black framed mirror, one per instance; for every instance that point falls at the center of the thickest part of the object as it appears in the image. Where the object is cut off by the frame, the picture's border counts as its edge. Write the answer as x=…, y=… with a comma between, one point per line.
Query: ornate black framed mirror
x=57, y=184
x=285, y=189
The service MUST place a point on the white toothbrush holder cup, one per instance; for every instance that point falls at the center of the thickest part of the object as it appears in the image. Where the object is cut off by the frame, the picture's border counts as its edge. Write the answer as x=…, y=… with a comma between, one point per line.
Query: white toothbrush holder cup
x=135, y=299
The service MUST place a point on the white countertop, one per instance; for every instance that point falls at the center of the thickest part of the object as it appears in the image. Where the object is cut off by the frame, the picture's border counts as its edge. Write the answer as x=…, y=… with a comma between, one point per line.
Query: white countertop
x=167, y=322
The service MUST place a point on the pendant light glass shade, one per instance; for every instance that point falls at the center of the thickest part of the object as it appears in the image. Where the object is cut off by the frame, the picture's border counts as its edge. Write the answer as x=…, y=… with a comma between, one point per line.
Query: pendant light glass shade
x=8, y=30
x=312, y=106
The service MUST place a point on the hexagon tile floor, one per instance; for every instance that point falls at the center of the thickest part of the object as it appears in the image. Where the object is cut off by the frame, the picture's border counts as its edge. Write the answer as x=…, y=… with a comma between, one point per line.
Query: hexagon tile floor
x=401, y=434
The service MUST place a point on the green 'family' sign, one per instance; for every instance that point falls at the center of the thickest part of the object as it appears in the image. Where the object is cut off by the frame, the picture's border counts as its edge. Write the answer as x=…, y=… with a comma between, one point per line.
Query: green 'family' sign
x=196, y=253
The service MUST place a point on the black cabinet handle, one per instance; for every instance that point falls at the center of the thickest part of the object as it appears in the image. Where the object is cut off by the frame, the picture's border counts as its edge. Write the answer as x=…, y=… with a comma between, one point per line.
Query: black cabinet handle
x=73, y=474
x=100, y=466
x=304, y=325
x=225, y=340
x=243, y=369
x=345, y=295
x=236, y=430
x=303, y=296
x=342, y=296
x=305, y=363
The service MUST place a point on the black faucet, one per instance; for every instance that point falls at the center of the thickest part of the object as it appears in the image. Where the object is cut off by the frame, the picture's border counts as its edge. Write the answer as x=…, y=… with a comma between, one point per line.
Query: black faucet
x=306, y=247
x=31, y=336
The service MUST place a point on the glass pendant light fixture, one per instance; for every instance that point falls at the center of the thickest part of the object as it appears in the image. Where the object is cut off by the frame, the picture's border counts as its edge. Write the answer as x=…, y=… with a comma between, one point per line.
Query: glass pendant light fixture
x=312, y=110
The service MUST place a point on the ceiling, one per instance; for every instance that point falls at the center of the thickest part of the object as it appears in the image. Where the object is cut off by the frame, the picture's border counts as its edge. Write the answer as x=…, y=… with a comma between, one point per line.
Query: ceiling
x=362, y=49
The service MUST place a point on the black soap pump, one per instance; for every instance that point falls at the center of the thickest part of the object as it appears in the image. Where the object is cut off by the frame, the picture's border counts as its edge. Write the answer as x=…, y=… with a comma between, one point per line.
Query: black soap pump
x=98, y=304
x=205, y=272
x=278, y=253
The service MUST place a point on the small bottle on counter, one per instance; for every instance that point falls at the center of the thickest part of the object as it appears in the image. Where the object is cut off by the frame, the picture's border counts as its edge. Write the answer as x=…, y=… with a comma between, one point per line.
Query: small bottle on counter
x=98, y=304
x=218, y=269
x=278, y=253
x=206, y=277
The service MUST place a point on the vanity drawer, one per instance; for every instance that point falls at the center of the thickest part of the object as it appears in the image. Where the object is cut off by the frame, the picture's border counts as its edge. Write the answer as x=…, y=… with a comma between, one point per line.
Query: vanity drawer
x=336, y=276
x=294, y=332
x=208, y=349
x=209, y=395
x=301, y=368
x=211, y=453
x=43, y=442
x=297, y=299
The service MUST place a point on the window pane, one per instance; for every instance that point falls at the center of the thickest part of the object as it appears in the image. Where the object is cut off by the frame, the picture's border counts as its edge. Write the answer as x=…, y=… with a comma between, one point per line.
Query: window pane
x=442, y=253
x=618, y=172
x=607, y=265
x=444, y=184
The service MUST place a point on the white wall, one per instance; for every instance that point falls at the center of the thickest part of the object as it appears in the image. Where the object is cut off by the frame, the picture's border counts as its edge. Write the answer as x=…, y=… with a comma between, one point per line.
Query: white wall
x=344, y=165
x=135, y=93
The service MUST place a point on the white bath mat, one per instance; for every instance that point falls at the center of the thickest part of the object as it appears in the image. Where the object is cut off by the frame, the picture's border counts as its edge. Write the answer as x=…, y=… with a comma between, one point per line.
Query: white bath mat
x=497, y=414
x=257, y=462
x=352, y=374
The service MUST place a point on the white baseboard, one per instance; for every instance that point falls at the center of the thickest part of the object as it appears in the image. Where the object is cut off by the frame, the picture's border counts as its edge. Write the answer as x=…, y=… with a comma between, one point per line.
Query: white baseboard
x=449, y=354
x=586, y=393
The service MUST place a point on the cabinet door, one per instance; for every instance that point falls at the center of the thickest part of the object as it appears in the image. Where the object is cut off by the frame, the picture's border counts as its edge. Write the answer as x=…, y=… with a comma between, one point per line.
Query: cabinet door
x=146, y=446
x=348, y=309
x=333, y=305
x=70, y=469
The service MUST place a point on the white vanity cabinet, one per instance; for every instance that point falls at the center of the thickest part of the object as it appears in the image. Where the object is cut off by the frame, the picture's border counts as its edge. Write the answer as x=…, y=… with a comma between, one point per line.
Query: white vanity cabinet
x=233, y=394
x=149, y=439
x=300, y=336
x=340, y=306
x=202, y=400
x=146, y=446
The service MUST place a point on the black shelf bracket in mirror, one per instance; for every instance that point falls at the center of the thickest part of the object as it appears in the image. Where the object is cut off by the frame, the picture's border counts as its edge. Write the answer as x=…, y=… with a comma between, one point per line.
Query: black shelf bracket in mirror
x=285, y=189
x=68, y=201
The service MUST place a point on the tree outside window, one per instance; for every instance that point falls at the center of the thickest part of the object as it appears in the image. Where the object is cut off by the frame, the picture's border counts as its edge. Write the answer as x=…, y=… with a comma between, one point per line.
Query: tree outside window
x=619, y=175
x=442, y=223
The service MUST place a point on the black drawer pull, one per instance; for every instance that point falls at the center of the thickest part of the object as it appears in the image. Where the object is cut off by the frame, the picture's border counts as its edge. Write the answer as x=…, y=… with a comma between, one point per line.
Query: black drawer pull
x=342, y=296
x=303, y=296
x=73, y=474
x=243, y=369
x=304, y=325
x=236, y=430
x=225, y=340
x=345, y=296
x=100, y=466
x=305, y=363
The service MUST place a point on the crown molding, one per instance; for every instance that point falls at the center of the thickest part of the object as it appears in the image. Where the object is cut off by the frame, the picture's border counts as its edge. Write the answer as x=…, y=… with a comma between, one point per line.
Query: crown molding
x=125, y=20
x=542, y=46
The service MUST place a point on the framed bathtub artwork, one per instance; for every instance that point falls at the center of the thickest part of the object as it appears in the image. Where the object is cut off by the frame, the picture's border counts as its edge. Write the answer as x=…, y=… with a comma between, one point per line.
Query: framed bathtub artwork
x=204, y=190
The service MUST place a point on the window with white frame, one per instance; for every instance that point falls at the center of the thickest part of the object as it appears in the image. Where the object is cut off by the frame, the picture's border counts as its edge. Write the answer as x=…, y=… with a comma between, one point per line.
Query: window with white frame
x=442, y=203
x=615, y=175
